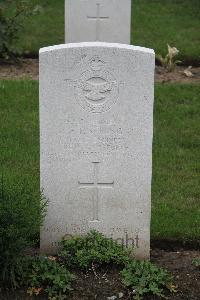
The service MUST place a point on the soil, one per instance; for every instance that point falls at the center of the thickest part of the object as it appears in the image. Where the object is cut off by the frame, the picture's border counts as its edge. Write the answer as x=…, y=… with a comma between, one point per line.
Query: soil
x=177, y=76
x=107, y=282
x=29, y=68
x=100, y=284
x=25, y=68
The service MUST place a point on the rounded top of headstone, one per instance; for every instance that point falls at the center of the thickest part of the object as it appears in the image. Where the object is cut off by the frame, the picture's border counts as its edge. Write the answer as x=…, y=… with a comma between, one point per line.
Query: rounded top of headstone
x=97, y=44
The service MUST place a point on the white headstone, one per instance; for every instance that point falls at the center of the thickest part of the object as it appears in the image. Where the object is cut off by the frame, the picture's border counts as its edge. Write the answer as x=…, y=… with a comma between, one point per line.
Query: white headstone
x=97, y=20
x=96, y=122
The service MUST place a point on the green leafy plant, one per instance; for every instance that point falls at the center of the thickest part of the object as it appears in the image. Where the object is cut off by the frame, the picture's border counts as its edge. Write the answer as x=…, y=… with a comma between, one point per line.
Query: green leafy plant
x=21, y=214
x=143, y=278
x=196, y=262
x=49, y=277
x=169, y=62
x=12, y=15
x=91, y=249
x=94, y=249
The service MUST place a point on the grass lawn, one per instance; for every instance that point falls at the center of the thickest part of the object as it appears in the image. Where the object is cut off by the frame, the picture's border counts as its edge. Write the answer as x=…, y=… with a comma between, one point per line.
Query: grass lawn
x=176, y=158
x=154, y=24
x=19, y=132
x=176, y=162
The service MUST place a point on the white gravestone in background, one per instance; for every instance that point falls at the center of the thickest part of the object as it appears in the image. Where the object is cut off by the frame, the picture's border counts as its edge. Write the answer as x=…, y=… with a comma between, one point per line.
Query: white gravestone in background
x=97, y=20
x=96, y=122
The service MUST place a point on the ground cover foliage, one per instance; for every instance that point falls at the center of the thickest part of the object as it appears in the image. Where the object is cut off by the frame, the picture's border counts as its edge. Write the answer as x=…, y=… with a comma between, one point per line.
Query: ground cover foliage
x=21, y=214
x=53, y=276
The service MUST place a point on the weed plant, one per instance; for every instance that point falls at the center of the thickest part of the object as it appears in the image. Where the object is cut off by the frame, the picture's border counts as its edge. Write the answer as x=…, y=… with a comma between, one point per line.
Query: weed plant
x=21, y=215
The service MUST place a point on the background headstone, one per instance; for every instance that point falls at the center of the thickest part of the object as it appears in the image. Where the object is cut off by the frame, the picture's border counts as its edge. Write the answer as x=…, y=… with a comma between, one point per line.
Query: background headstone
x=97, y=20
x=96, y=128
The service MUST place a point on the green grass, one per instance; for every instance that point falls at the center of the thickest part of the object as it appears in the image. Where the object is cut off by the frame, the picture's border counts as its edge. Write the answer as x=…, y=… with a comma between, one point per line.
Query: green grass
x=176, y=155
x=176, y=22
x=176, y=162
x=19, y=132
x=154, y=24
x=44, y=29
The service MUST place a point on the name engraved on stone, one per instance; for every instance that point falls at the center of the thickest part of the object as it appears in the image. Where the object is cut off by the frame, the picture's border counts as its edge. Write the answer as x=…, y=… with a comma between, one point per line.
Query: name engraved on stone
x=98, y=18
x=96, y=89
x=95, y=186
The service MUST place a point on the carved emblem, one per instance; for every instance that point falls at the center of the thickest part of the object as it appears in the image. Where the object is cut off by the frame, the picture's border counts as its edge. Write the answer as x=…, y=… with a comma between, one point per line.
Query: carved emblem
x=97, y=89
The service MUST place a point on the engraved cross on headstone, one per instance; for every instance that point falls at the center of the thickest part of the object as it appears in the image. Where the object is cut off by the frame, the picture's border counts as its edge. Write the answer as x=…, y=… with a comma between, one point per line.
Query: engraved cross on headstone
x=96, y=185
x=98, y=18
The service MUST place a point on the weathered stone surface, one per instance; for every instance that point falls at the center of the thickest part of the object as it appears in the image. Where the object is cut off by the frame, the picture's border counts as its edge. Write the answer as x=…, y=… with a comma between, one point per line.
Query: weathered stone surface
x=96, y=121
x=97, y=20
